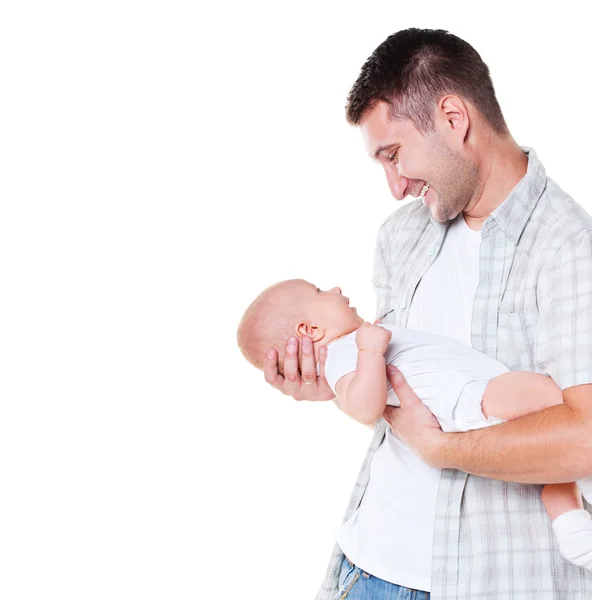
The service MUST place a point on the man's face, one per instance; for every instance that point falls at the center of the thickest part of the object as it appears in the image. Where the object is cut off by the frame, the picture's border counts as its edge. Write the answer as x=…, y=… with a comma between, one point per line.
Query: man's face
x=411, y=160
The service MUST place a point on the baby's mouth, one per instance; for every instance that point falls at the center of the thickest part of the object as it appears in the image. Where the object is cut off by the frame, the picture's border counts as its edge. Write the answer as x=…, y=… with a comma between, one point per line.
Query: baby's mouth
x=424, y=191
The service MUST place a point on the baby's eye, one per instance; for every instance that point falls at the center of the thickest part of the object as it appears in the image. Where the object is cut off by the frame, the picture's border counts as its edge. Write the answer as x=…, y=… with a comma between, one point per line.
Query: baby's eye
x=393, y=157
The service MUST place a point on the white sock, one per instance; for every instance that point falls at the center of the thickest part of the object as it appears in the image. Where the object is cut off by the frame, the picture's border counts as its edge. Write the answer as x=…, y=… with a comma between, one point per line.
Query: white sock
x=574, y=535
x=585, y=486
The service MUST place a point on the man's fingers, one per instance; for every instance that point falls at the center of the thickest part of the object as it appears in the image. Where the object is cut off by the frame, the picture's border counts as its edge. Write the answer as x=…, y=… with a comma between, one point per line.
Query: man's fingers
x=270, y=370
x=291, y=371
x=322, y=360
x=291, y=383
x=395, y=376
x=309, y=369
x=403, y=390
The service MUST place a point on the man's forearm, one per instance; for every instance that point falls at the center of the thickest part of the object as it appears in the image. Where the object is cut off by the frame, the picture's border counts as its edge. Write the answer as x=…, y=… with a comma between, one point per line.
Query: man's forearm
x=550, y=446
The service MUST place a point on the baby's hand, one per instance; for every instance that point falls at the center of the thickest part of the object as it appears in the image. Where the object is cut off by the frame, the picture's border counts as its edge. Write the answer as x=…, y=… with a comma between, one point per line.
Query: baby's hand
x=373, y=337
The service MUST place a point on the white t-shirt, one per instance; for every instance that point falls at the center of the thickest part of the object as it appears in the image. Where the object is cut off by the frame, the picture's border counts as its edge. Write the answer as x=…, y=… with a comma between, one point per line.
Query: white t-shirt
x=391, y=533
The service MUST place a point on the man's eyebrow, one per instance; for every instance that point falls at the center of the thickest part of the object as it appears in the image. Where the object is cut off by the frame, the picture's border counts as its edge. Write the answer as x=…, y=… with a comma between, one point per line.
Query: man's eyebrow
x=383, y=148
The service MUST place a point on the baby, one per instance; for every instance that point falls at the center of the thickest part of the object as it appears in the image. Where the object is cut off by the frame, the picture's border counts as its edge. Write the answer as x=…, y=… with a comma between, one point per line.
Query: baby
x=463, y=388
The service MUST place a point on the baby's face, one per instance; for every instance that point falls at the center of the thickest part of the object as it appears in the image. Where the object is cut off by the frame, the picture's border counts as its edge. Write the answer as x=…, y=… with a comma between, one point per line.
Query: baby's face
x=328, y=309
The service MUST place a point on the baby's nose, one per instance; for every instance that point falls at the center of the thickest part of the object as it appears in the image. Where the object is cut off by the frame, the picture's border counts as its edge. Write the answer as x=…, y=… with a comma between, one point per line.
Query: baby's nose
x=336, y=289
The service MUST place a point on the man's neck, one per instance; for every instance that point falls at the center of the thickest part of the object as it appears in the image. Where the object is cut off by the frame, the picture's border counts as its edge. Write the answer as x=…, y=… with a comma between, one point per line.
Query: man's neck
x=504, y=165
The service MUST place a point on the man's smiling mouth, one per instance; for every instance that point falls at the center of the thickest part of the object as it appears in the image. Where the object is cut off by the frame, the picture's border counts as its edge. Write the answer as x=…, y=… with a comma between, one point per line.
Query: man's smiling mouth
x=424, y=191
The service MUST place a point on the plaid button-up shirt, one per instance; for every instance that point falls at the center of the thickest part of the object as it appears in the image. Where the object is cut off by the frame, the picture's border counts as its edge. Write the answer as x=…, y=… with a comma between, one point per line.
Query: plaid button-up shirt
x=532, y=312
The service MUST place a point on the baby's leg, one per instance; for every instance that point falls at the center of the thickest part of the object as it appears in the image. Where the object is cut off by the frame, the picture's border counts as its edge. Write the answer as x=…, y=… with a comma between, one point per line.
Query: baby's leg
x=559, y=498
x=571, y=523
x=519, y=393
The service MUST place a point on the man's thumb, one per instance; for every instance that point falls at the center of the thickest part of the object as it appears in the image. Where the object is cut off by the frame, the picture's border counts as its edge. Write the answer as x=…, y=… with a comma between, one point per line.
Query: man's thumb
x=395, y=376
x=400, y=386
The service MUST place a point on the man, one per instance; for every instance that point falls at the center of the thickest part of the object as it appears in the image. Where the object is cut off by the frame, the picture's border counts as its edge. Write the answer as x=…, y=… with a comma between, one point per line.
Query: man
x=494, y=254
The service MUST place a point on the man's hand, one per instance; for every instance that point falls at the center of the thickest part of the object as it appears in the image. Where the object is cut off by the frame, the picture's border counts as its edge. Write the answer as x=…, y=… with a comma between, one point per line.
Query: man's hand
x=413, y=422
x=373, y=338
x=301, y=387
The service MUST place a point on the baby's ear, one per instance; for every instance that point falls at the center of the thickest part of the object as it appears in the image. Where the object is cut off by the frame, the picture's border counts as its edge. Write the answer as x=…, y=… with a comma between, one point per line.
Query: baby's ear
x=312, y=331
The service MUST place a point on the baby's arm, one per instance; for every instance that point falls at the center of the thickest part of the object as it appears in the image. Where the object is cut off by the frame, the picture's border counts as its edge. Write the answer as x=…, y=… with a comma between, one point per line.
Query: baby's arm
x=362, y=394
x=518, y=393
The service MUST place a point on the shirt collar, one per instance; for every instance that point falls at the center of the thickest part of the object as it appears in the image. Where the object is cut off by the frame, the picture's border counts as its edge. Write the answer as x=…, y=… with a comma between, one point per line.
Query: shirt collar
x=513, y=213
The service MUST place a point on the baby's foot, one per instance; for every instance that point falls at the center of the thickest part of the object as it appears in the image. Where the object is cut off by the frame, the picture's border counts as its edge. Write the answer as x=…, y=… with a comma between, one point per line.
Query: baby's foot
x=574, y=536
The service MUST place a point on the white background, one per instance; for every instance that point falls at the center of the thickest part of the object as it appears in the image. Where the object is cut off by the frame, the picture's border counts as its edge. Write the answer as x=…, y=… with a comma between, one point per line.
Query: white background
x=161, y=163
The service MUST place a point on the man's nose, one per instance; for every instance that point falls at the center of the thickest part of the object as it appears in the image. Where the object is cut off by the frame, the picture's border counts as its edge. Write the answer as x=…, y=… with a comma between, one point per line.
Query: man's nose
x=398, y=184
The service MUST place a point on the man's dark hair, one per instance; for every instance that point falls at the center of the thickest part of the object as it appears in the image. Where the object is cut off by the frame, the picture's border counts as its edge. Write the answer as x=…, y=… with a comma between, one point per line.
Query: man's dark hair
x=413, y=68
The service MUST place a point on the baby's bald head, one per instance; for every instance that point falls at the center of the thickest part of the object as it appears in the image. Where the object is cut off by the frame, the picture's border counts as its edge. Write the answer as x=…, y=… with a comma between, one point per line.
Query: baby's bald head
x=271, y=319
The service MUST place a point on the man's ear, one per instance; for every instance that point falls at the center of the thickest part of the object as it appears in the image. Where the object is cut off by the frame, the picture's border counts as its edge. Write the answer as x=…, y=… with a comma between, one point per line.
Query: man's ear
x=312, y=331
x=453, y=118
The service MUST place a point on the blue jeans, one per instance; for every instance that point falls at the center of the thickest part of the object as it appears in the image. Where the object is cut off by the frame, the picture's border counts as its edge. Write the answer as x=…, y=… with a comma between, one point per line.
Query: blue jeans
x=355, y=584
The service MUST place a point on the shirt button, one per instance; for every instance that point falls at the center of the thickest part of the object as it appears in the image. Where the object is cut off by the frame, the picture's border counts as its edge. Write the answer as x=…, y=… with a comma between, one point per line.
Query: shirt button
x=402, y=304
x=430, y=251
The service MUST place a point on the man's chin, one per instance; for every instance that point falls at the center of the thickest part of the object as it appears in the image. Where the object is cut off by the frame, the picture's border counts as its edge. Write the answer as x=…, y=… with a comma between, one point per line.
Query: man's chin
x=435, y=213
x=438, y=217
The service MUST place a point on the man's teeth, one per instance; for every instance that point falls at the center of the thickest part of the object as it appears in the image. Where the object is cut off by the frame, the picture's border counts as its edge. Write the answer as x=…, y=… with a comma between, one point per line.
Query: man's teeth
x=424, y=191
